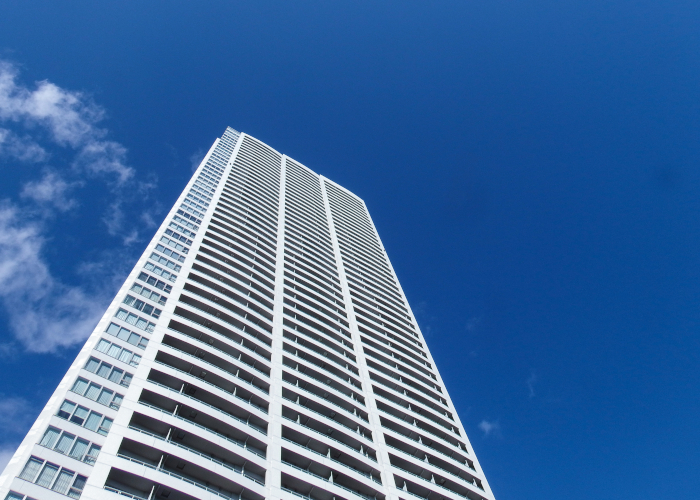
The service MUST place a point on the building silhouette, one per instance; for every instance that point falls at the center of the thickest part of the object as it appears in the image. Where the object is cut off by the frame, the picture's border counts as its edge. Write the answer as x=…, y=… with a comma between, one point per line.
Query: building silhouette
x=262, y=347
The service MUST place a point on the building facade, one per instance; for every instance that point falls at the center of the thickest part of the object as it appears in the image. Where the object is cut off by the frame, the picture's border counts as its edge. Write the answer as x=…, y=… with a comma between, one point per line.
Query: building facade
x=262, y=347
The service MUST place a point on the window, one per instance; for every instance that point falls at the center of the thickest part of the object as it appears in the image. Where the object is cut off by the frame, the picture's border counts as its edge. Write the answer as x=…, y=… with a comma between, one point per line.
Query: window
x=194, y=196
x=80, y=385
x=50, y=437
x=182, y=211
x=97, y=393
x=79, y=448
x=93, y=421
x=149, y=294
x=160, y=271
x=140, y=305
x=160, y=285
x=31, y=469
x=135, y=320
x=64, y=443
x=92, y=453
x=165, y=262
x=115, y=376
x=65, y=477
x=82, y=416
x=51, y=476
x=185, y=223
x=77, y=488
x=174, y=242
x=127, y=335
x=46, y=475
x=170, y=253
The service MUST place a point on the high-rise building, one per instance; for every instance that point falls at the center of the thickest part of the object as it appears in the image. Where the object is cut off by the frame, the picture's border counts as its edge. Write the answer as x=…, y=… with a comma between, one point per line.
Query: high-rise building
x=262, y=347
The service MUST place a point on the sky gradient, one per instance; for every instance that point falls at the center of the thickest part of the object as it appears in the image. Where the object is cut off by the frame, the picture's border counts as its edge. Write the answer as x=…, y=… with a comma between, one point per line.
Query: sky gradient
x=532, y=168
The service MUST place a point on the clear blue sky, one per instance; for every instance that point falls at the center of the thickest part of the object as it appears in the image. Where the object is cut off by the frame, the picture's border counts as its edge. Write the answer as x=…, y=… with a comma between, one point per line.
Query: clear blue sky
x=532, y=168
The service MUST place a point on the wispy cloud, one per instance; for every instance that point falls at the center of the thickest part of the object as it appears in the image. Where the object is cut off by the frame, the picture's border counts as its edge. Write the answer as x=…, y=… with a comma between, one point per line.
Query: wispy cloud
x=51, y=190
x=44, y=313
x=19, y=148
x=490, y=427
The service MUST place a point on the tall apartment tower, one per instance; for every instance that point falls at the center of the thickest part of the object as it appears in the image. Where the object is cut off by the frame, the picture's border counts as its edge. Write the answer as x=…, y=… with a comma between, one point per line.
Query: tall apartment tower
x=262, y=348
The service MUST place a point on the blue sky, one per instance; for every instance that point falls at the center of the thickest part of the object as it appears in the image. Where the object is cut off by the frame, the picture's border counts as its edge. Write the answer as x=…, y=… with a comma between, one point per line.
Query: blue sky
x=532, y=168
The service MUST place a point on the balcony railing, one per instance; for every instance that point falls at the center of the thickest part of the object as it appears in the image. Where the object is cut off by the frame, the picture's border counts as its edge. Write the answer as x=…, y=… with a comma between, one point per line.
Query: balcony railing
x=209, y=346
x=252, y=426
x=216, y=366
x=124, y=493
x=232, y=467
x=180, y=477
x=361, y=495
x=327, y=436
x=230, y=440
x=247, y=401
x=366, y=474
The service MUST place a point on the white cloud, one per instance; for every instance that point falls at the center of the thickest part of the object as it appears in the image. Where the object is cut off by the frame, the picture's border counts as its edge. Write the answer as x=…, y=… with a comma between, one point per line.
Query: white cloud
x=490, y=427
x=51, y=190
x=70, y=118
x=44, y=314
x=23, y=149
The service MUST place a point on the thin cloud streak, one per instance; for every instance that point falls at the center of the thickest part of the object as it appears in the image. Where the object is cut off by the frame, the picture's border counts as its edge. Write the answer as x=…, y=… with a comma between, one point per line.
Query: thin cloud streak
x=46, y=315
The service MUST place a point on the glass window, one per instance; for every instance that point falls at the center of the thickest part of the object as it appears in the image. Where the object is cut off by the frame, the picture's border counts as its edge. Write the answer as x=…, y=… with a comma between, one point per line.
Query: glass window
x=123, y=334
x=125, y=356
x=63, y=481
x=79, y=386
x=135, y=360
x=114, y=351
x=128, y=300
x=113, y=329
x=134, y=339
x=50, y=437
x=46, y=475
x=105, y=396
x=64, y=443
x=150, y=327
x=92, y=454
x=116, y=375
x=14, y=496
x=131, y=319
x=79, y=415
x=122, y=314
x=117, y=401
x=93, y=391
x=79, y=448
x=77, y=487
x=103, y=345
x=147, y=308
x=140, y=323
x=66, y=409
x=92, y=365
x=143, y=343
x=126, y=380
x=137, y=288
x=93, y=421
x=104, y=369
x=31, y=469
x=106, y=425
